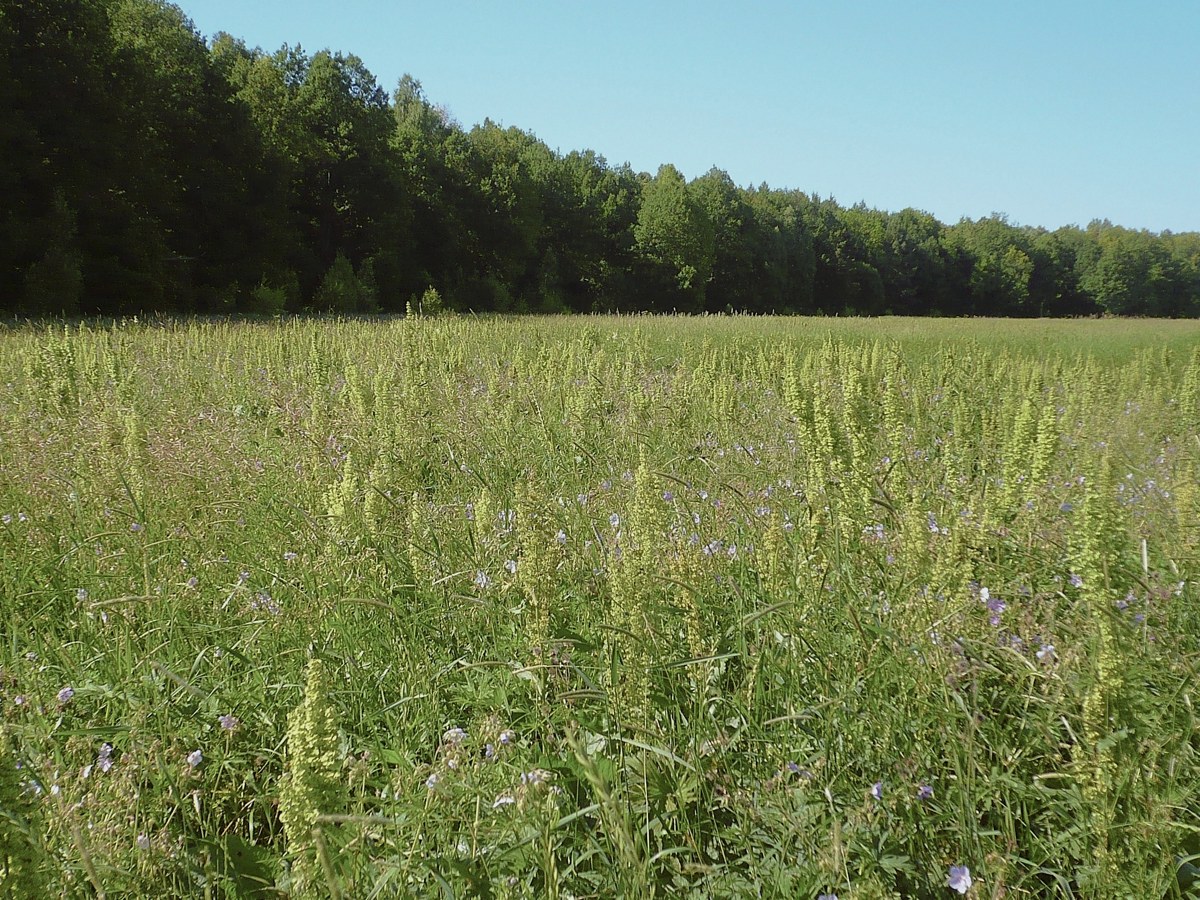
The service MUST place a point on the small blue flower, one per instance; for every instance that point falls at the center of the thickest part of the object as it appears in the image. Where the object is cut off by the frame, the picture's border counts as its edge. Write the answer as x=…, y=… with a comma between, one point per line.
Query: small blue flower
x=959, y=879
x=877, y=790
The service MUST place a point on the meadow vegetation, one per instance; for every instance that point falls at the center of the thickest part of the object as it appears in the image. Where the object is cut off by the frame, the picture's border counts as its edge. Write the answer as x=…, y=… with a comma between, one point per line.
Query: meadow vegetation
x=591, y=607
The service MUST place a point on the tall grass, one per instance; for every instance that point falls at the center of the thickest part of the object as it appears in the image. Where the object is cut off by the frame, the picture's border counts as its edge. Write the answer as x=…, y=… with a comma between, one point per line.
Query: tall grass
x=595, y=607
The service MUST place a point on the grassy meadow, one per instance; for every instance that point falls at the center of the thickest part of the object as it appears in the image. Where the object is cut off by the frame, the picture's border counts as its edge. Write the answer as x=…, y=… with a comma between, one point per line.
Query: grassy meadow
x=595, y=607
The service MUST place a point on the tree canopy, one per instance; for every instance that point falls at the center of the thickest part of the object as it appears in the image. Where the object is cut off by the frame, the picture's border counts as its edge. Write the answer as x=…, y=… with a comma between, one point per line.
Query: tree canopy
x=149, y=170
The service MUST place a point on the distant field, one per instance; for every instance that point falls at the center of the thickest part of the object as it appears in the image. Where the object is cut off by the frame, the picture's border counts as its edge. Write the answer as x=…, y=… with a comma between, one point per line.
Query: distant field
x=584, y=607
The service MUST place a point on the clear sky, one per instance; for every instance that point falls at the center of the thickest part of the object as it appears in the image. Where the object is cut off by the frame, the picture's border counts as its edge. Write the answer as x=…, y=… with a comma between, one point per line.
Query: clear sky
x=1054, y=112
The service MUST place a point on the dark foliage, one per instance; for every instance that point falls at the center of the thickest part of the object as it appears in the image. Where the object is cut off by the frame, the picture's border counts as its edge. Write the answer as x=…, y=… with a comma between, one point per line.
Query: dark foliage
x=147, y=171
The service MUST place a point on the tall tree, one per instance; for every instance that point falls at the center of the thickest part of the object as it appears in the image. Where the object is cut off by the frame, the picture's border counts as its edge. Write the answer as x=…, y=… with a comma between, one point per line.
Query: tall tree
x=675, y=244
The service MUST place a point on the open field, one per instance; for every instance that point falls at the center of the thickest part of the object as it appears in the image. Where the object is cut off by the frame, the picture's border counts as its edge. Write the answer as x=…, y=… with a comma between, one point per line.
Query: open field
x=596, y=606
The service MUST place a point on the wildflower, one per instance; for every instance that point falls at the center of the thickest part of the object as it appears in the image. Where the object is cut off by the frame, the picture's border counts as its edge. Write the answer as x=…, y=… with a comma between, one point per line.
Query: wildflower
x=104, y=759
x=1046, y=653
x=65, y=695
x=195, y=758
x=431, y=781
x=668, y=496
x=995, y=606
x=925, y=792
x=959, y=879
x=511, y=566
x=289, y=556
x=193, y=582
x=614, y=520
x=228, y=722
x=135, y=527
x=262, y=600
x=507, y=737
x=561, y=537
x=535, y=777
x=827, y=897
x=454, y=736
x=877, y=790
x=143, y=841
x=243, y=576
x=81, y=594
x=19, y=700
x=482, y=580
x=505, y=799
x=1076, y=580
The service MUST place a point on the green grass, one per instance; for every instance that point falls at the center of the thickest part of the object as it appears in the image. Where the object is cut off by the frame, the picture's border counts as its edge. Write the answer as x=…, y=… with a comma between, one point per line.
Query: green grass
x=722, y=607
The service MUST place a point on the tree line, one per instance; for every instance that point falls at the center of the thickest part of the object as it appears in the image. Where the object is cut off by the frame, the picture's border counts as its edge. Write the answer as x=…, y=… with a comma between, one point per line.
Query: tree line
x=147, y=170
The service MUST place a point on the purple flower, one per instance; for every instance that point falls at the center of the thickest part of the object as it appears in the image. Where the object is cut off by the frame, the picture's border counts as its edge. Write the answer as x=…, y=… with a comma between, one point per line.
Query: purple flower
x=995, y=606
x=827, y=897
x=511, y=566
x=925, y=792
x=65, y=695
x=143, y=841
x=135, y=527
x=1076, y=580
x=614, y=520
x=195, y=758
x=229, y=722
x=482, y=580
x=877, y=790
x=959, y=879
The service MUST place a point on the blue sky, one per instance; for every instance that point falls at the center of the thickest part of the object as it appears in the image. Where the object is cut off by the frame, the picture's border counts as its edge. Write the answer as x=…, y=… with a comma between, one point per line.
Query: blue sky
x=1054, y=112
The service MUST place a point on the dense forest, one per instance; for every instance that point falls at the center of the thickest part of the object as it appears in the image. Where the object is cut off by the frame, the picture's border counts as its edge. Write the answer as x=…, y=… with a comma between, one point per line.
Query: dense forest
x=147, y=170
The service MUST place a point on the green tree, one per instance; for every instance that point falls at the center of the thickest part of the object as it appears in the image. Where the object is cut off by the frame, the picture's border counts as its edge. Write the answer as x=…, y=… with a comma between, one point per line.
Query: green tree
x=999, y=264
x=1135, y=274
x=675, y=243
